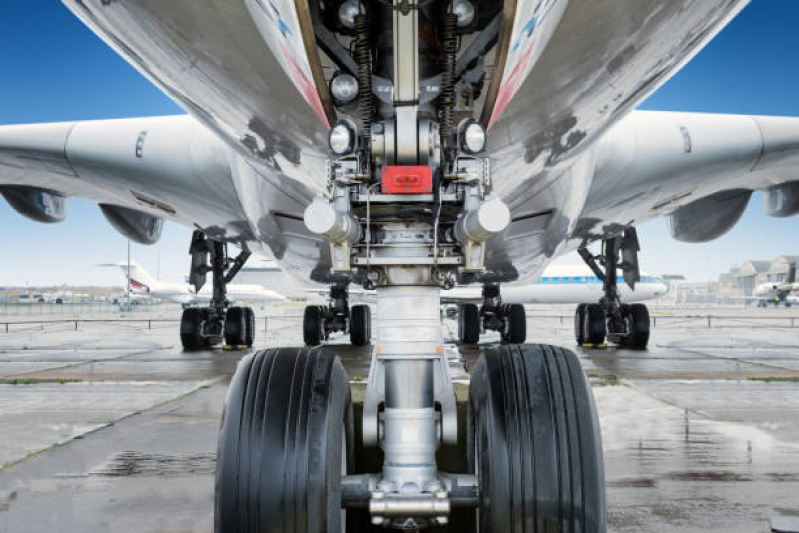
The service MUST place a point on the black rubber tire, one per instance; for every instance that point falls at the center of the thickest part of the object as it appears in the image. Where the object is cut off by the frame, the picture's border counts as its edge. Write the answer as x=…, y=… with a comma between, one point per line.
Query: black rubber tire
x=595, y=324
x=287, y=415
x=360, y=325
x=191, y=324
x=516, y=321
x=638, y=326
x=235, y=327
x=469, y=324
x=579, y=324
x=249, y=322
x=534, y=442
x=312, y=325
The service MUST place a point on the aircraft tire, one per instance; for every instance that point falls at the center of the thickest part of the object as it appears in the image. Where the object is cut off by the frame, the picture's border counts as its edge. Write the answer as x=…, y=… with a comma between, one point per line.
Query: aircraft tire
x=249, y=321
x=236, y=326
x=533, y=440
x=285, y=441
x=191, y=324
x=516, y=330
x=469, y=324
x=579, y=324
x=360, y=325
x=637, y=316
x=595, y=325
x=312, y=325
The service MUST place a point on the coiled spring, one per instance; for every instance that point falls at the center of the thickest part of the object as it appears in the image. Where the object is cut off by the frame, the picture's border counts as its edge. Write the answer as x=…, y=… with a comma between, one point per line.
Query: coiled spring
x=363, y=59
x=449, y=45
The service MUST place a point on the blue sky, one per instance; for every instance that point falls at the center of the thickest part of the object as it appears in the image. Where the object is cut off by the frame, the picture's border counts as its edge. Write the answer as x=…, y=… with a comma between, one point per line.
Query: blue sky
x=55, y=69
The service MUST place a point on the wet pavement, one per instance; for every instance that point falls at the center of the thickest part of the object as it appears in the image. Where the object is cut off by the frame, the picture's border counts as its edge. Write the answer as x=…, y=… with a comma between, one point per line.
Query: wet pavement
x=113, y=426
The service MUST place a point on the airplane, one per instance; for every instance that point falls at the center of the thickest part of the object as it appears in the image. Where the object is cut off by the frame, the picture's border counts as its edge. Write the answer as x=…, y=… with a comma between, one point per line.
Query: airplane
x=404, y=147
x=141, y=282
x=567, y=284
x=777, y=293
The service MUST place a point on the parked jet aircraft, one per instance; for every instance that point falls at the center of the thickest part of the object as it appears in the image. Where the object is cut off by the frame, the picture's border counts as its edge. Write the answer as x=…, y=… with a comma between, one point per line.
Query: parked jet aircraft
x=563, y=285
x=141, y=282
x=405, y=146
x=777, y=293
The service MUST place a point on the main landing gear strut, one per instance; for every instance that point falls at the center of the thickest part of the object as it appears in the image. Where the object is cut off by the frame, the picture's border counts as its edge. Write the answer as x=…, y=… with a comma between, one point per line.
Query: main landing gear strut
x=624, y=324
x=408, y=209
x=510, y=320
x=320, y=321
x=201, y=327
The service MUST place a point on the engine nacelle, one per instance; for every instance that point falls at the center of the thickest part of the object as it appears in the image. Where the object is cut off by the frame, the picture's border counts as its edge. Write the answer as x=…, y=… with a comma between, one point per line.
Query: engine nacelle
x=36, y=204
x=709, y=218
x=135, y=225
x=783, y=200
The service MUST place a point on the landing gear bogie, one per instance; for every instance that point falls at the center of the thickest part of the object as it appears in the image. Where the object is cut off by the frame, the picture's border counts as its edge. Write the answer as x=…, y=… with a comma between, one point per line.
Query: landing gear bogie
x=510, y=320
x=202, y=327
x=624, y=324
x=319, y=322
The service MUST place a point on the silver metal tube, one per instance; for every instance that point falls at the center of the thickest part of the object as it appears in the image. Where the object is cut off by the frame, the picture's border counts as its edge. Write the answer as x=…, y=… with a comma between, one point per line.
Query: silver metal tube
x=409, y=384
x=408, y=341
x=427, y=505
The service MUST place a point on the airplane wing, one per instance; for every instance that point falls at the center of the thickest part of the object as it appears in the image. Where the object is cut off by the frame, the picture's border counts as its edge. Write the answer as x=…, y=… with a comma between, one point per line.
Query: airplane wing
x=140, y=171
x=143, y=171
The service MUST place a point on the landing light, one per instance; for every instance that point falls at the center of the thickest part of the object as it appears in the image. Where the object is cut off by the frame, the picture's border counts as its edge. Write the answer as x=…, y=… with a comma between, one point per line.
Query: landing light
x=343, y=137
x=347, y=12
x=344, y=87
x=471, y=136
x=464, y=10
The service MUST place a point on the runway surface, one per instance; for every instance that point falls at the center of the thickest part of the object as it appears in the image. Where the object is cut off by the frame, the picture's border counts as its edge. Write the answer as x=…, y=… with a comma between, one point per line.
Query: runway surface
x=114, y=426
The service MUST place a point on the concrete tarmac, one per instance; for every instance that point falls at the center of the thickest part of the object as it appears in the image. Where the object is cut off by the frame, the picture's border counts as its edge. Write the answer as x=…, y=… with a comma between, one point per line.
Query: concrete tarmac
x=113, y=427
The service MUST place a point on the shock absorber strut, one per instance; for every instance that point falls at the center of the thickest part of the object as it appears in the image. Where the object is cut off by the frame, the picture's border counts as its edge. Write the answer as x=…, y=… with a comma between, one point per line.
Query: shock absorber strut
x=363, y=59
x=449, y=45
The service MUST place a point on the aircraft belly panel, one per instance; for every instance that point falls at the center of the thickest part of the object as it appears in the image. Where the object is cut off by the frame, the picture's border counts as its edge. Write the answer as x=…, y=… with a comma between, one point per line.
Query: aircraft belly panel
x=603, y=58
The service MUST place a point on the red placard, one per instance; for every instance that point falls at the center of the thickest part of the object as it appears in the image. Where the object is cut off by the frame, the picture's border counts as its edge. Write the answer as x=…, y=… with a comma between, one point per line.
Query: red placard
x=407, y=180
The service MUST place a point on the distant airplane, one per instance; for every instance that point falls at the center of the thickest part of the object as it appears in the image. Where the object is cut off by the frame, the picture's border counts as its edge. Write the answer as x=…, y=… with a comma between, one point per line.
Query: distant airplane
x=777, y=293
x=141, y=282
x=563, y=285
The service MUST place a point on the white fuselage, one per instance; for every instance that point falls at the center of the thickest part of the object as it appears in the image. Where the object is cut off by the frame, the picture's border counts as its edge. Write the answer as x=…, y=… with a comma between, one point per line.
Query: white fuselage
x=184, y=293
x=564, y=285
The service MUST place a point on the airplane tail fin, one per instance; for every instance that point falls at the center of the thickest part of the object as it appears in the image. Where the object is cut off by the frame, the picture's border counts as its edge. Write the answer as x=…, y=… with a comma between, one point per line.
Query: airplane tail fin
x=139, y=278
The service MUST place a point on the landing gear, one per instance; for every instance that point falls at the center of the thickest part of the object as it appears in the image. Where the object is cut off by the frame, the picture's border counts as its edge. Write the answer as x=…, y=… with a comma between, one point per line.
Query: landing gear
x=510, y=320
x=285, y=444
x=538, y=459
x=320, y=321
x=626, y=325
x=408, y=210
x=201, y=327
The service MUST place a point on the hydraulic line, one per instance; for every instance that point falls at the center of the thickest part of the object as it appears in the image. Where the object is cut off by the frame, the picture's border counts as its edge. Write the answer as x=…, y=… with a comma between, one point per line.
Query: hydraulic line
x=363, y=59
x=449, y=46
